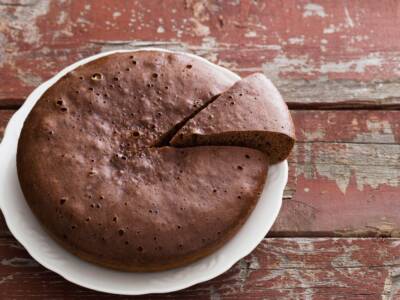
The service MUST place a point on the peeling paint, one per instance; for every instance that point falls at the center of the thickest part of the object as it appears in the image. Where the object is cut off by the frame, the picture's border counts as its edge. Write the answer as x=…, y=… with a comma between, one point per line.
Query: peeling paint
x=296, y=40
x=311, y=9
x=316, y=134
x=27, y=15
x=349, y=20
x=356, y=65
x=199, y=28
x=250, y=34
x=160, y=29
x=381, y=129
x=340, y=162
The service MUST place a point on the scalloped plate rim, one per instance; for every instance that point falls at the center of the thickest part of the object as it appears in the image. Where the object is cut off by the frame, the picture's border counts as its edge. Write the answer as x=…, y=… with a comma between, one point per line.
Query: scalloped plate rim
x=264, y=214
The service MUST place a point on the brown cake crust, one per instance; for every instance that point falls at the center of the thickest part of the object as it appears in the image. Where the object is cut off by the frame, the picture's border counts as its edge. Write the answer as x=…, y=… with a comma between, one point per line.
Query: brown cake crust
x=90, y=173
x=251, y=113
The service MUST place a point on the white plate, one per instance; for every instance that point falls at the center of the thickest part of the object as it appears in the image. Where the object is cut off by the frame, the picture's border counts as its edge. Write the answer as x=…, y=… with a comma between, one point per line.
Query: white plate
x=48, y=253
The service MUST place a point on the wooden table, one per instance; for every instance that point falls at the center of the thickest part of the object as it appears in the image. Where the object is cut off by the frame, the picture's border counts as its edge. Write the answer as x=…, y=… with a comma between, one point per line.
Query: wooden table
x=337, y=64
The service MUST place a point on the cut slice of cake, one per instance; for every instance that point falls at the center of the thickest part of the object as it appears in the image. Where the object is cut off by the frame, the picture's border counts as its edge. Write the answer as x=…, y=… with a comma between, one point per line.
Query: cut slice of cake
x=250, y=114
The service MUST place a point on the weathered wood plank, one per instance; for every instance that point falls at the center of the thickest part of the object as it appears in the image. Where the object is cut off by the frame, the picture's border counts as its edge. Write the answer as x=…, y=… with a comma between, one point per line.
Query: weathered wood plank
x=278, y=269
x=344, y=176
x=321, y=53
x=5, y=116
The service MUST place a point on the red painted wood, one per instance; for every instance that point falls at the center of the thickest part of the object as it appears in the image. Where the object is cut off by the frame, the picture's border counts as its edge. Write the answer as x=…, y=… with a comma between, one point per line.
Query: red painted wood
x=344, y=172
x=277, y=269
x=5, y=116
x=325, y=52
x=344, y=176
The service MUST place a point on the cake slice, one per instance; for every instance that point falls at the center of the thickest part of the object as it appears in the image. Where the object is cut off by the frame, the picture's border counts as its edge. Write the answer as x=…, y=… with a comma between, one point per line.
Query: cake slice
x=250, y=114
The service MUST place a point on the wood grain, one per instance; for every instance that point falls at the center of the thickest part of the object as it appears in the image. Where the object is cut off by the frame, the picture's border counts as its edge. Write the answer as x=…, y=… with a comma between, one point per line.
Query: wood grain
x=321, y=54
x=278, y=269
x=344, y=177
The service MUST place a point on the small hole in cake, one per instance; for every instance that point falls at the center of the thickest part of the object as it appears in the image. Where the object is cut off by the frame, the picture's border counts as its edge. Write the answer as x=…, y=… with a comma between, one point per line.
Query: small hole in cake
x=150, y=211
x=98, y=205
x=65, y=236
x=239, y=197
x=92, y=205
x=76, y=92
x=148, y=85
x=155, y=238
x=73, y=227
x=166, y=87
x=97, y=76
x=189, y=66
x=218, y=232
x=81, y=78
x=126, y=203
x=124, y=157
x=103, y=238
x=88, y=219
x=240, y=167
x=62, y=201
x=136, y=133
x=225, y=191
x=181, y=208
x=97, y=94
x=111, y=86
x=203, y=240
x=214, y=190
x=154, y=75
x=115, y=219
x=134, y=62
x=232, y=103
x=180, y=246
x=121, y=232
x=247, y=156
x=240, y=94
x=127, y=69
x=91, y=89
x=140, y=248
x=159, y=114
x=116, y=78
x=59, y=102
x=126, y=243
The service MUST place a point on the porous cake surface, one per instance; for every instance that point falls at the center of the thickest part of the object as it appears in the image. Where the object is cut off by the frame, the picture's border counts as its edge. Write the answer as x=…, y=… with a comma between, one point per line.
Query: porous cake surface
x=95, y=171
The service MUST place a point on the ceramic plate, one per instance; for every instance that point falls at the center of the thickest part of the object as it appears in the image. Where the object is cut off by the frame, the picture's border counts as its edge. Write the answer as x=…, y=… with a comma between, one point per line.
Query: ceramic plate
x=26, y=229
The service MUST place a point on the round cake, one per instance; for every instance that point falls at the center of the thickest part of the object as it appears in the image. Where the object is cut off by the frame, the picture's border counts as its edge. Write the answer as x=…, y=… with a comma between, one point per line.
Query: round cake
x=107, y=166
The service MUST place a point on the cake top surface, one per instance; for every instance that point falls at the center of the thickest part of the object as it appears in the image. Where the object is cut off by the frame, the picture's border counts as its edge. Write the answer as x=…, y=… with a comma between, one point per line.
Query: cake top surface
x=90, y=169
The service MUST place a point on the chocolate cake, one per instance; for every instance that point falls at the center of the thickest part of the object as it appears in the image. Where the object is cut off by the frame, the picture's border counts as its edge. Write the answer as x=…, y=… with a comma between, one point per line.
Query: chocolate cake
x=249, y=114
x=97, y=167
